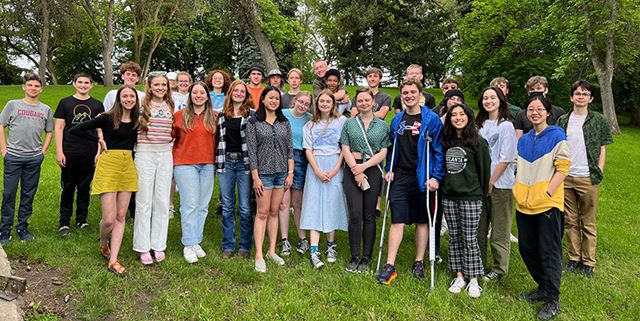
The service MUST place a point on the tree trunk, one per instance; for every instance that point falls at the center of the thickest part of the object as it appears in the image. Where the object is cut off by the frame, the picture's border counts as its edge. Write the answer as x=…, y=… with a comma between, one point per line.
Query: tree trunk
x=44, y=43
x=106, y=37
x=52, y=71
x=251, y=17
x=608, y=106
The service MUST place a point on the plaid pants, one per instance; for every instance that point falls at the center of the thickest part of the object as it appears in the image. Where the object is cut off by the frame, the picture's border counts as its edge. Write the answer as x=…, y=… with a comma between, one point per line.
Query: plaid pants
x=464, y=253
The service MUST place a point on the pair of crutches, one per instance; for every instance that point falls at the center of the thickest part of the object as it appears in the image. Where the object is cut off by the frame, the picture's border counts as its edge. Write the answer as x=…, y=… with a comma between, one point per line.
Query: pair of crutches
x=432, y=218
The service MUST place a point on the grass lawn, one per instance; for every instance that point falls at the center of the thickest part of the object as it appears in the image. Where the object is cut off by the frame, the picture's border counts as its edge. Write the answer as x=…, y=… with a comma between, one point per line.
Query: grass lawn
x=218, y=289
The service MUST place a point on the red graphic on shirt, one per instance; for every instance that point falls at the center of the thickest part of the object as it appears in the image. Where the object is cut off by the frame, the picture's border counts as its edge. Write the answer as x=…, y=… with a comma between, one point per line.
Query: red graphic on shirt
x=415, y=128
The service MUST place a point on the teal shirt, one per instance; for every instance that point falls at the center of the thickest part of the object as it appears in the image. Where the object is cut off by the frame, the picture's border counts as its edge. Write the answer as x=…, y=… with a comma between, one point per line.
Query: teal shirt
x=377, y=134
x=217, y=100
x=297, y=123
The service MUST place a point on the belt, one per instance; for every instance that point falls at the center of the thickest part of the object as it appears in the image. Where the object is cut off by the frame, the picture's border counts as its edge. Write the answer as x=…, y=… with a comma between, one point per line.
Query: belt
x=234, y=155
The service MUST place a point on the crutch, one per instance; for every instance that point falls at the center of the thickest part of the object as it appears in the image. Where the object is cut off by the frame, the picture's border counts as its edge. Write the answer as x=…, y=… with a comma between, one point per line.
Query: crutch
x=432, y=220
x=386, y=203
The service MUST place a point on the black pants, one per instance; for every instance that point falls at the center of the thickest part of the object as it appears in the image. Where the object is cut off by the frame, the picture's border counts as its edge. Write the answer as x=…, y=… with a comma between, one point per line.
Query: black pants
x=540, y=242
x=439, y=214
x=362, y=210
x=76, y=175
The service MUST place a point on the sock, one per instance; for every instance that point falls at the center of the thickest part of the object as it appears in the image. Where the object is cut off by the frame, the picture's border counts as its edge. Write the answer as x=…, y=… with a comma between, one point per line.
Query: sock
x=283, y=239
x=314, y=248
x=330, y=243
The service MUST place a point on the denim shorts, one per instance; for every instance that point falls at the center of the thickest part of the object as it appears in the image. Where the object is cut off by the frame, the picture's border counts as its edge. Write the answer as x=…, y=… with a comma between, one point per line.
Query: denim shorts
x=299, y=168
x=271, y=181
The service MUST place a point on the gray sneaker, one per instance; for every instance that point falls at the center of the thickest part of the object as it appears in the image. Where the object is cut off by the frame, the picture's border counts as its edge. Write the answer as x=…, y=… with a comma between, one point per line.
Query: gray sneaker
x=315, y=260
x=286, y=248
x=275, y=258
x=332, y=254
x=363, y=265
x=261, y=266
x=303, y=246
x=353, y=265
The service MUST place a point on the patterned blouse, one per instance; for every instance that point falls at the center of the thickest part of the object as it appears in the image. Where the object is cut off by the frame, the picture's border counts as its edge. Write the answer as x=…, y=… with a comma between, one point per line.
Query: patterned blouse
x=377, y=134
x=270, y=146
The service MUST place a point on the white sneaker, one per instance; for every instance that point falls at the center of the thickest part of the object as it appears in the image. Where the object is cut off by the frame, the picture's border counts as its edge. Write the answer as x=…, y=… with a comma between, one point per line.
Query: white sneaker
x=457, y=284
x=332, y=254
x=261, y=266
x=171, y=211
x=189, y=254
x=275, y=258
x=513, y=239
x=199, y=251
x=474, y=289
x=444, y=229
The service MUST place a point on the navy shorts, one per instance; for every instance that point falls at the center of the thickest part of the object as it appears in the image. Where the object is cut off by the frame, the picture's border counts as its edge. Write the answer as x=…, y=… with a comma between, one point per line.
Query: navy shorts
x=271, y=181
x=300, y=163
x=407, y=202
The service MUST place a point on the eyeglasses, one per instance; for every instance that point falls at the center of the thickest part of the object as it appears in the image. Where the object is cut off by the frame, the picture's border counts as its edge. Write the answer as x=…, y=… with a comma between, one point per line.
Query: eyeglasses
x=303, y=104
x=537, y=110
x=184, y=81
x=578, y=94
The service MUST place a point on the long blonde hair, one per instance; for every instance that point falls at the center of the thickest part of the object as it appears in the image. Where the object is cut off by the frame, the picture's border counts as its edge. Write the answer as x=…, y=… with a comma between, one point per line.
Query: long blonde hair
x=148, y=95
x=209, y=114
x=316, y=110
x=247, y=104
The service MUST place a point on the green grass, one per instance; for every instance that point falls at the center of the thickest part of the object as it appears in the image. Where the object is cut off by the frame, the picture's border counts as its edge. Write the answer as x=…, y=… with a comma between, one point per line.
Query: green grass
x=217, y=289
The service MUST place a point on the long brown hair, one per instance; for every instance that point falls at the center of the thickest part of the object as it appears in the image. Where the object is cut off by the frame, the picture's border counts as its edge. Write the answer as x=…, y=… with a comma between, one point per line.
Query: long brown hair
x=117, y=110
x=247, y=104
x=316, y=111
x=148, y=95
x=188, y=114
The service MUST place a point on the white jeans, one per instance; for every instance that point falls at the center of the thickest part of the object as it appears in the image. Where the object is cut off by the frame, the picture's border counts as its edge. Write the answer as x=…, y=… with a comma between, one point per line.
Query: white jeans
x=155, y=170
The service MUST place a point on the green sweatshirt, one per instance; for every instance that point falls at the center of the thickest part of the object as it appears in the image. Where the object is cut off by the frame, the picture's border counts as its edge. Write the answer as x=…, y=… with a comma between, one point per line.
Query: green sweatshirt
x=467, y=172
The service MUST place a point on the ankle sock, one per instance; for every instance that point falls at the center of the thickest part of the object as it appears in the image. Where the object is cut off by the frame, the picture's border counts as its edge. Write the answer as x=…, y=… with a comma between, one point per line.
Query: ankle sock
x=314, y=248
x=330, y=243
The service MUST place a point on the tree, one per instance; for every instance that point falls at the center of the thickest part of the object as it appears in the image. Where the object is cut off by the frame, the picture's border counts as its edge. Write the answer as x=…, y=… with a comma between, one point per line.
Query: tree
x=105, y=30
x=248, y=12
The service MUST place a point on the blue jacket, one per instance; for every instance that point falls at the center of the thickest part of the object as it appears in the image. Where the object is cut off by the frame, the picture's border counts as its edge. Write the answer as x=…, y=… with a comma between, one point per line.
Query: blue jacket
x=432, y=127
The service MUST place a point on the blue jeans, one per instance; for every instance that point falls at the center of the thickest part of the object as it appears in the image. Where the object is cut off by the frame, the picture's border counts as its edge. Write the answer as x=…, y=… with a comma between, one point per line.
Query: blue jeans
x=26, y=171
x=195, y=183
x=234, y=175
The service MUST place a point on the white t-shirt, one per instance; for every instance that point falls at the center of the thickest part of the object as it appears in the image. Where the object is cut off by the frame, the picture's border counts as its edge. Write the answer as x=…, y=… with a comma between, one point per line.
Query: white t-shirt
x=110, y=99
x=503, y=145
x=323, y=137
x=179, y=100
x=575, y=139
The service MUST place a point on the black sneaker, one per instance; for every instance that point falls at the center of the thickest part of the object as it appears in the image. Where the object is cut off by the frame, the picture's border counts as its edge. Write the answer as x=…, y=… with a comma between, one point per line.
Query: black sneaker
x=418, y=269
x=492, y=276
x=63, y=231
x=549, y=310
x=363, y=265
x=5, y=237
x=353, y=265
x=25, y=235
x=586, y=270
x=387, y=274
x=378, y=213
x=303, y=246
x=572, y=266
x=219, y=211
x=536, y=295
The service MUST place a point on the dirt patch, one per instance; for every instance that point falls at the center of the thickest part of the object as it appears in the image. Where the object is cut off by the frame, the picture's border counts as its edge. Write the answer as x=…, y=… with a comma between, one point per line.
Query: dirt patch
x=47, y=291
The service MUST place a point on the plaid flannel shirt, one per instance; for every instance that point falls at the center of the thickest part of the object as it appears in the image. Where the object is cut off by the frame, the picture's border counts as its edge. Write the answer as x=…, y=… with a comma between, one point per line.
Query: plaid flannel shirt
x=222, y=145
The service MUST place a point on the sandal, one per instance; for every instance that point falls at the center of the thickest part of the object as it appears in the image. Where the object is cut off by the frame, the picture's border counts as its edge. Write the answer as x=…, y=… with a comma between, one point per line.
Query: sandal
x=105, y=250
x=159, y=256
x=116, y=267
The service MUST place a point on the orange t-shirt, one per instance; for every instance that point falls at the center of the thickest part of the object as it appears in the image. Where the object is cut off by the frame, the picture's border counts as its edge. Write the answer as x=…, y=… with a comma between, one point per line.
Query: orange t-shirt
x=195, y=146
x=255, y=95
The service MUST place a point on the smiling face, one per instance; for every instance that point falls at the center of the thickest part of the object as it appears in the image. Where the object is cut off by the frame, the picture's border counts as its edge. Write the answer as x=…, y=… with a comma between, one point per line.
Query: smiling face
x=130, y=78
x=82, y=85
x=332, y=83
x=373, y=80
x=159, y=87
x=459, y=119
x=325, y=104
x=581, y=98
x=217, y=80
x=255, y=77
x=275, y=81
x=183, y=83
x=32, y=88
x=364, y=102
x=414, y=73
x=128, y=98
x=410, y=95
x=490, y=101
x=320, y=68
x=302, y=104
x=449, y=86
x=294, y=80
x=536, y=113
x=239, y=94
x=271, y=100
x=199, y=96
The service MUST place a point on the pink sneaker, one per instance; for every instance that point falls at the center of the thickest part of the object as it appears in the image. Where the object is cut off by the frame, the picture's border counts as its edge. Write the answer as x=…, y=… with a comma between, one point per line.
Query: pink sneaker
x=159, y=256
x=146, y=259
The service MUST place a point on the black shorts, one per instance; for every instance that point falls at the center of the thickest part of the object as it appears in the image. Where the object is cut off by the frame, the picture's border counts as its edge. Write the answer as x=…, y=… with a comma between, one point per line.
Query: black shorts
x=407, y=202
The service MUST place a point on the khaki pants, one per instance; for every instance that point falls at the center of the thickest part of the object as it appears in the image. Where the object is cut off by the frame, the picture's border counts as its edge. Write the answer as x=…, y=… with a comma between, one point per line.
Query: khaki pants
x=497, y=211
x=581, y=202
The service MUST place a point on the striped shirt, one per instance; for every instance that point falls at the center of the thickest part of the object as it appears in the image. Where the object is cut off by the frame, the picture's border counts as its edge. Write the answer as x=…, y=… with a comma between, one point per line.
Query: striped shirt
x=158, y=136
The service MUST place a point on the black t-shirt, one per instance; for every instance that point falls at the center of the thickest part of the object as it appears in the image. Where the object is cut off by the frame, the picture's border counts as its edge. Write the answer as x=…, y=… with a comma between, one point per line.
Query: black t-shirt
x=429, y=101
x=124, y=137
x=523, y=123
x=233, y=139
x=408, y=143
x=75, y=111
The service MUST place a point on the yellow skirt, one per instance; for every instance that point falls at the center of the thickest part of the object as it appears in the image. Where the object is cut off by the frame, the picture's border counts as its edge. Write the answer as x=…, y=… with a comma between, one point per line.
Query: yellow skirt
x=115, y=172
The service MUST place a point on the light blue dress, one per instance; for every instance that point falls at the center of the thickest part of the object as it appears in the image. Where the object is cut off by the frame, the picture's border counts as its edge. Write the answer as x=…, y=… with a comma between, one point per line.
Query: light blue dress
x=324, y=206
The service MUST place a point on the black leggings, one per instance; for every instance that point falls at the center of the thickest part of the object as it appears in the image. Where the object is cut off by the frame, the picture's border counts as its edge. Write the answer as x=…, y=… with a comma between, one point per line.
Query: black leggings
x=362, y=210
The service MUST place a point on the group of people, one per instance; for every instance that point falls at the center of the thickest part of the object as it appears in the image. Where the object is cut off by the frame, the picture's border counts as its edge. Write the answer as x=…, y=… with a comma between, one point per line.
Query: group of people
x=319, y=155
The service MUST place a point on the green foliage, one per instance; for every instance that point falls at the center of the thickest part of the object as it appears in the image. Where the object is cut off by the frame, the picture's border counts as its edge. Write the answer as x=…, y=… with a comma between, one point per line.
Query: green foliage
x=280, y=29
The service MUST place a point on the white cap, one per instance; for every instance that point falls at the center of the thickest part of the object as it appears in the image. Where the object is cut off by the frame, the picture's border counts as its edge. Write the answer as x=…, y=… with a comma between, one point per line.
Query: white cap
x=172, y=75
